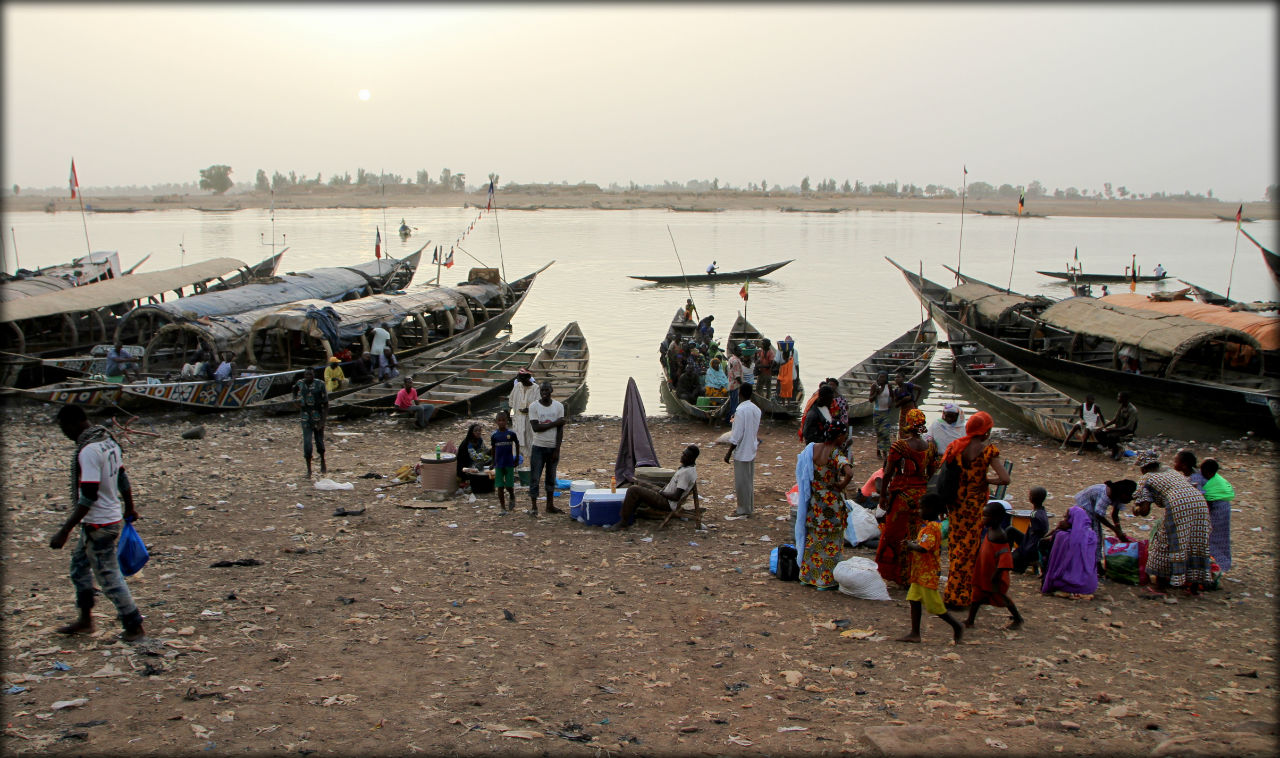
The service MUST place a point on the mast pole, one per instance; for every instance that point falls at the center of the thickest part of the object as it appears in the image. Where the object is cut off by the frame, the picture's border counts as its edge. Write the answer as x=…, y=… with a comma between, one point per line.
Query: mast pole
x=963, y=191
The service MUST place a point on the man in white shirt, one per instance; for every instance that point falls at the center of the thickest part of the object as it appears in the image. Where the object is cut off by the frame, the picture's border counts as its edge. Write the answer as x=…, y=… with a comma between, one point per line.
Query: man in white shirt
x=712, y=268
x=640, y=495
x=100, y=484
x=546, y=418
x=524, y=392
x=743, y=441
x=1159, y=270
x=379, y=341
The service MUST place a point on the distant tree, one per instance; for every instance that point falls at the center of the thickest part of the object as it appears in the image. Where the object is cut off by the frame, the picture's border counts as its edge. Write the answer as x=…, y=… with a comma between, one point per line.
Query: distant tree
x=460, y=182
x=1035, y=189
x=1122, y=191
x=216, y=178
x=446, y=179
x=493, y=179
x=1106, y=189
x=1209, y=194
x=262, y=183
x=1007, y=191
x=1059, y=194
x=715, y=184
x=1072, y=193
x=279, y=181
x=1273, y=192
x=846, y=188
x=764, y=186
x=859, y=188
x=340, y=181
x=804, y=185
x=424, y=178
x=981, y=191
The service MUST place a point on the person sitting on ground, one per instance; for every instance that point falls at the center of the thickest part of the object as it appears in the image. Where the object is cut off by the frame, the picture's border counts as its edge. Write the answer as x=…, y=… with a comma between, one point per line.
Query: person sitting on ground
x=362, y=369
x=1090, y=421
x=407, y=401
x=1122, y=426
x=193, y=369
x=947, y=429
x=641, y=497
x=334, y=379
x=1219, y=493
x=868, y=495
x=473, y=462
x=991, y=574
x=388, y=366
x=118, y=362
x=1073, y=554
x=226, y=370
x=1028, y=552
x=716, y=382
x=925, y=551
x=1096, y=500
x=345, y=354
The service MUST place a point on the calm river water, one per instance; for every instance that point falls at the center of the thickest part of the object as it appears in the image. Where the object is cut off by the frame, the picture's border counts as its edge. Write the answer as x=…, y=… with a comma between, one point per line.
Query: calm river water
x=839, y=299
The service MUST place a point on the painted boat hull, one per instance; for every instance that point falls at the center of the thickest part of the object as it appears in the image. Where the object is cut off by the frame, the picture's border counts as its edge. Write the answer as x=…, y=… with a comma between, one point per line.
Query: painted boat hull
x=240, y=392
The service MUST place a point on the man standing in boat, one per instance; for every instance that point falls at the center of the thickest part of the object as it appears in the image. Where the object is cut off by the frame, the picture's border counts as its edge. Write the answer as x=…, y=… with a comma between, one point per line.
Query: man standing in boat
x=524, y=392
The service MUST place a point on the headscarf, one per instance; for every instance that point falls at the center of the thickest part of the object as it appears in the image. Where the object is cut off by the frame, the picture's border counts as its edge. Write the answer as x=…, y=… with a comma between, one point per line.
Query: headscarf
x=916, y=421
x=839, y=410
x=978, y=424
x=1147, y=457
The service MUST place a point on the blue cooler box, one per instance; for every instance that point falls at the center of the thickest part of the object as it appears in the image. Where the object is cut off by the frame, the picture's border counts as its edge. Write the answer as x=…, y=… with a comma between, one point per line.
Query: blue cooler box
x=602, y=507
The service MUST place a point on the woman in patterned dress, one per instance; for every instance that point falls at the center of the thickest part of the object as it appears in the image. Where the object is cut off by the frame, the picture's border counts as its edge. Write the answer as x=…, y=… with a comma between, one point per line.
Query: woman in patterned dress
x=976, y=458
x=825, y=517
x=907, y=470
x=1178, y=554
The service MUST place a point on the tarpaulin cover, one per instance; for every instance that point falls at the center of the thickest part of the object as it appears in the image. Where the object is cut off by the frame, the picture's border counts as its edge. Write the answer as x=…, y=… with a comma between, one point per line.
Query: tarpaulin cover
x=636, y=448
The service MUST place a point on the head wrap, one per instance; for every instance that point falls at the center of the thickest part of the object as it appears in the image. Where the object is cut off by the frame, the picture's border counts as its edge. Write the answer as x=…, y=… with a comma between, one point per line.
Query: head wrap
x=1147, y=457
x=950, y=408
x=915, y=420
x=524, y=372
x=839, y=422
x=978, y=424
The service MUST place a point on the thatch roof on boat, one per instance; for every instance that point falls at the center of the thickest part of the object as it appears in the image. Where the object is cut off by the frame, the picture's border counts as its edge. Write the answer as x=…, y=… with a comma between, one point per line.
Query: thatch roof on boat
x=355, y=317
x=124, y=289
x=1159, y=333
x=991, y=303
x=321, y=284
x=18, y=289
x=1265, y=329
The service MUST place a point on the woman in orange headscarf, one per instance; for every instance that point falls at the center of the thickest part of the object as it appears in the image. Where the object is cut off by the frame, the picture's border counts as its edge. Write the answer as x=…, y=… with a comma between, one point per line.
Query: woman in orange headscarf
x=907, y=469
x=976, y=457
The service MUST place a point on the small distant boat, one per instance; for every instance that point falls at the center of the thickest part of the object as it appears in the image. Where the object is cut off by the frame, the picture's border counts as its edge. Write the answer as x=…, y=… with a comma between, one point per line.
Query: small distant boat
x=1012, y=391
x=694, y=209
x=1232, y=219
x=1075, y=276
x=912, y=351
x=719, y=276
x=405, y=230
x=563, y=361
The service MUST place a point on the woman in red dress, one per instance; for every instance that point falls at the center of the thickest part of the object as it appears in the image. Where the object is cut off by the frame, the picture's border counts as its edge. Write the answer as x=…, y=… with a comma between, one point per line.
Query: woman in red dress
x=910, y=463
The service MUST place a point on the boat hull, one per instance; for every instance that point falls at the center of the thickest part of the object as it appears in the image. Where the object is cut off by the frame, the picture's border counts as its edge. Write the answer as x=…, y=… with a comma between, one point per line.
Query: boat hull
x=728, y=276
x=1102, y=278
x=915, y=355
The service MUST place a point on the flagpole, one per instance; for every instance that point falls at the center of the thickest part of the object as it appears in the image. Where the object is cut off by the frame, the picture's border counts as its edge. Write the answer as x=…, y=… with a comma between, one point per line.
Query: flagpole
x=501, y=260
x=1232, y=271
x=80, y=196
x=964, y=187
x=17, y=264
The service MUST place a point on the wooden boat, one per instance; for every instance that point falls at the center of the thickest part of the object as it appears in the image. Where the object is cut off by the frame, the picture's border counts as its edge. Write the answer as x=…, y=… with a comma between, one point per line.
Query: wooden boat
x=1078, y=341
x=770, y=405
x=1232, y=219
x=564, y=361
x=84, y=392
x=405, y=230
x=1271, y=258
x=1015, y=393
x=240, y=392
x=711, y=408
x=95, y=362
x=1209, y=297
x=727, y=276
x=913, y=351
x=1076, y=276
x=86, y=269
x=460, y=384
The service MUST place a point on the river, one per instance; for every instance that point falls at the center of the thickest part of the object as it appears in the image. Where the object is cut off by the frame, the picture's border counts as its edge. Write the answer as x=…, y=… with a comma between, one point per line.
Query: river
x=839, y=299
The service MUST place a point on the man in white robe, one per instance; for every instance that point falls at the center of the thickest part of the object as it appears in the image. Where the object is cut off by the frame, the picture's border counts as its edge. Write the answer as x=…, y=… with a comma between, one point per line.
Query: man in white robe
x=524, y=392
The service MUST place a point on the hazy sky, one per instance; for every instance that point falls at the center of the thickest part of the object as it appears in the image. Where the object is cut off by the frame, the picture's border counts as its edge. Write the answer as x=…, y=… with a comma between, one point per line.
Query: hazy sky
x=1153, y=97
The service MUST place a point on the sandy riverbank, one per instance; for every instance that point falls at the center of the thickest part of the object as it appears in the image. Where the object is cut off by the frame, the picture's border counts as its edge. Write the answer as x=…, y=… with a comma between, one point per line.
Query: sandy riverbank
x=386, y=633
x=571, y=196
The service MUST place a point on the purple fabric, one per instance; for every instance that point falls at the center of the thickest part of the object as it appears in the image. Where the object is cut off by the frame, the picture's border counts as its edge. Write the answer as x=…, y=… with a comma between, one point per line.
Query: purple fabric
x=637, y=444
x=1072, y=562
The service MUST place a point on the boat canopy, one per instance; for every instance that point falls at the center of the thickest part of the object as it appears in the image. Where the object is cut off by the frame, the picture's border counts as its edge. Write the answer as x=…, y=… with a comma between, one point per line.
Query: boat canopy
x=991, y=303
x=352, y=319
x=35, y=286
x=125, y=289
x=1265, y=329
x=1158, y=333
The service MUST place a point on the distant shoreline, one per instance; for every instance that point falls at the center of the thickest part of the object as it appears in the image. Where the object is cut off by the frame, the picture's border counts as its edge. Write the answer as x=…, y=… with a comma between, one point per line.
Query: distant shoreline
x=554, y=197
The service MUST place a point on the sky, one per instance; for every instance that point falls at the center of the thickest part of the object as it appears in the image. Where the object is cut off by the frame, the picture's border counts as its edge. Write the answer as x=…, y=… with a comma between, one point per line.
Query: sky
x=1157, y=98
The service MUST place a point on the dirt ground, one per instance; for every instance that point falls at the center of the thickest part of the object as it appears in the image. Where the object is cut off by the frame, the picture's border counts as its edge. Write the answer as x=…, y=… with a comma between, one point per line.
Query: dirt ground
x=466, y=631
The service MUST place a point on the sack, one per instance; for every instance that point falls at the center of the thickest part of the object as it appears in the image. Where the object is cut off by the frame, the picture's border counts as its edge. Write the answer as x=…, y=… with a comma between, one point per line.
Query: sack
x=788, y=569
x=860, y=577
x=949, y=483
x=1122, y=560
x=130, y=550
x=862, y=524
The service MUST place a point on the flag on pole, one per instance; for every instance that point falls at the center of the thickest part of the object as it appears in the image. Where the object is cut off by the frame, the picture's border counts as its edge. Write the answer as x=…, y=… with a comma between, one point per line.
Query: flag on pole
x=1077, y=254
x=489, y=206
x=1022, y=200
x=448, y=262
x=377, y=245
x=966, y=170
x=1239, y=211
x=435, y=254
x=75, y=183
x=743, y=292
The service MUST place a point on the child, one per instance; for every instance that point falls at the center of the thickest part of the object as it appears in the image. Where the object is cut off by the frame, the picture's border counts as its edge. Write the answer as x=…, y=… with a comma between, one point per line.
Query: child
x=991, y=574
x=1028, y=553
x=925, y=550
x=1218, y=493
x=506, y=453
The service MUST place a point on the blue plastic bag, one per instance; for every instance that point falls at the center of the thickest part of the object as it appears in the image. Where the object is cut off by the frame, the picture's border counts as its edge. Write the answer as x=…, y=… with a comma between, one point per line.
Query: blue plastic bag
x=131, y=551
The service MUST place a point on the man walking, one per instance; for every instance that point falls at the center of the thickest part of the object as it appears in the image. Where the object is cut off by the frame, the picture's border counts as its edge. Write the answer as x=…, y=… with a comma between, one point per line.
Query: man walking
x=546, y=417
x=313, y=403
x=99, y=484
x=743, y=441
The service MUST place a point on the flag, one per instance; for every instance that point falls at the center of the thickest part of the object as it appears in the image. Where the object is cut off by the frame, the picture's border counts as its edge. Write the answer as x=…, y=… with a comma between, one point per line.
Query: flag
x=489, y=206
x=743, y=292
x=1077, y=255
x=966, y=170
x=1239, y=211
x=448, y=262
x=435, y=255
x=75, y=183
x=1022, y=199
x=377, y=245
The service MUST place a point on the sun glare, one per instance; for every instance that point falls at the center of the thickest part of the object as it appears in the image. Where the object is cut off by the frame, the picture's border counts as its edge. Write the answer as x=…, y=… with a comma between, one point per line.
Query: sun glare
x=363, y=94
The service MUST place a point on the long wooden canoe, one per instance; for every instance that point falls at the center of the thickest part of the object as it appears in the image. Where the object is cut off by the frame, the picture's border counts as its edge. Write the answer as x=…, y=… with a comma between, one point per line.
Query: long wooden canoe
x=1209, y=297
x=913, y=351
x=212, y=395
x=84, y=392
x=714, y=407
x=1102, y=278
x=564, y=361
x=723, y=276
x=771, y=405
x=1015, y=393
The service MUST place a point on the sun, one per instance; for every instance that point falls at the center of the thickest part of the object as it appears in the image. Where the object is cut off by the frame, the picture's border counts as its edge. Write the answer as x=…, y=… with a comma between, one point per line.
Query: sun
x=363, y=94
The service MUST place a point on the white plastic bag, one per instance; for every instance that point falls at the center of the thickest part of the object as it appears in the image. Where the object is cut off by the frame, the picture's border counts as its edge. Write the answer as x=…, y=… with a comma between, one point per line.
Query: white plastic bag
x=858, y=577
x=862, y=524
x=330, y=485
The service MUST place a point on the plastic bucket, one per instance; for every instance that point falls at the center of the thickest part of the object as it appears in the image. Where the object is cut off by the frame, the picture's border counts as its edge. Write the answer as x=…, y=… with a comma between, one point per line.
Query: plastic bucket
x=522, y=475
